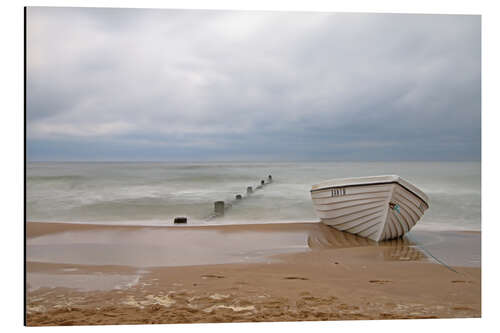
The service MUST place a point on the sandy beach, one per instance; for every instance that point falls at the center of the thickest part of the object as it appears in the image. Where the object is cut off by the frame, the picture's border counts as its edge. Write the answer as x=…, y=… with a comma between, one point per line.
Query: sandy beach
x=186, y=165
x=81, y=274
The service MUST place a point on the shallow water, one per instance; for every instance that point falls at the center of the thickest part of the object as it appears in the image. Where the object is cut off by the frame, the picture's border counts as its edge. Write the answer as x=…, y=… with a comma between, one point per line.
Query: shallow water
x=80, y=256
x=154, y=193
x=170, y=246
x=163, y=247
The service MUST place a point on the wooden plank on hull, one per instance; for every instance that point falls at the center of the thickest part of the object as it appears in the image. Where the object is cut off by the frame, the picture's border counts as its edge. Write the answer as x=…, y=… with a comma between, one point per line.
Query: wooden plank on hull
x=397, y=225
x=365, y=226
x=392, y=228
x=403, y=206
x=373, y=235
x=351, y=216
x=350, y=210
x=411, y=197
x=367, y=219
x=410, y=219
x=400, y=222
x=349, y=204
x=409, y=205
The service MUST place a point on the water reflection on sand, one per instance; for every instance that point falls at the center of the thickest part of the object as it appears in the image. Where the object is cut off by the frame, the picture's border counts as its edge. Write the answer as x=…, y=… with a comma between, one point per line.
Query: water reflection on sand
x=454, y=248
x=74, y=256
x=166, y=246
x=395, y=249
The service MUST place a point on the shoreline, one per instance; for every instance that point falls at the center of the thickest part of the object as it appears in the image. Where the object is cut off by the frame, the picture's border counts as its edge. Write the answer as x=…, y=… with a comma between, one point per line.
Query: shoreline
x=40, y=228
x=266, y=272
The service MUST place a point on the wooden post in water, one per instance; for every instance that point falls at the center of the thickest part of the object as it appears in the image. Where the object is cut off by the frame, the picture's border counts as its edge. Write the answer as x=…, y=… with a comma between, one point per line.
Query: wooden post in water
x=180, y=219
x=238, y=196
x=219, y=208
x=262, y=182
x=270, y=178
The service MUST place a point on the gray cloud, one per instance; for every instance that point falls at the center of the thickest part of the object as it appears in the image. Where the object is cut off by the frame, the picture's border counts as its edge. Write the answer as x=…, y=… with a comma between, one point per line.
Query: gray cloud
x=132, y=84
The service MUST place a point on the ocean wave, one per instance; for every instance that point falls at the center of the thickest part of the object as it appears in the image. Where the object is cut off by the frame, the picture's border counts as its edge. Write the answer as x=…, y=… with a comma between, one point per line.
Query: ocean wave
x=63, y=178
x=117, y=192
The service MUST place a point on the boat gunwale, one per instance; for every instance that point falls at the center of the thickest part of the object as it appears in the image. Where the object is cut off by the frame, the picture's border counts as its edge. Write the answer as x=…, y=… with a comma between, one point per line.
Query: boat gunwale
x=369, y=184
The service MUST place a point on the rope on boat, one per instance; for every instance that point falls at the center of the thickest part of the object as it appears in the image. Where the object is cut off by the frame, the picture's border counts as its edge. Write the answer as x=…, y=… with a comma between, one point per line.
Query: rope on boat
x=431, y=255
x=396, y=208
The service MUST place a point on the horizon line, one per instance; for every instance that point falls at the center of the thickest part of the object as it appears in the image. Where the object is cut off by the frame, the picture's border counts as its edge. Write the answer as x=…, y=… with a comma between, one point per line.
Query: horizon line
x=240, y=161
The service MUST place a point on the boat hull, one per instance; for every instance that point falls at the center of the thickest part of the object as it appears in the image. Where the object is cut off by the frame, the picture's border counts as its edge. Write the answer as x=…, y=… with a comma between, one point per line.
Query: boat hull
x=379, y=212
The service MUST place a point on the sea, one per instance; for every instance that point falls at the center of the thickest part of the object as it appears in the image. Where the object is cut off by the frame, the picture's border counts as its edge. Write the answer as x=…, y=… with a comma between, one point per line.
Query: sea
x=154, y=193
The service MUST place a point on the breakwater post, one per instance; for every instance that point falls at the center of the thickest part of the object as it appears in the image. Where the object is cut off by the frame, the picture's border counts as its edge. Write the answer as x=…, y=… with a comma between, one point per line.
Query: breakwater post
x=180, y=219
x=219, y=208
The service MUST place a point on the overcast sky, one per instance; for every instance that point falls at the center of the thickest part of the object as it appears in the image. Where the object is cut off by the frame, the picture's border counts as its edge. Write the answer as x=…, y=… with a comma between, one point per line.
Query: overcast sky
x=136, y=84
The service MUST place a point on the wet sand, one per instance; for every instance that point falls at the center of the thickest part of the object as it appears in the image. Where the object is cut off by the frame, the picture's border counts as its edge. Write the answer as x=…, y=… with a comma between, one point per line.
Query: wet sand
x=82, y=274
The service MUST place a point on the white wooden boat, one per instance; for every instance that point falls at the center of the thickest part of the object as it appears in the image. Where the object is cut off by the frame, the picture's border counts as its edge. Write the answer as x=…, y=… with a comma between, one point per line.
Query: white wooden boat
x=378, y=207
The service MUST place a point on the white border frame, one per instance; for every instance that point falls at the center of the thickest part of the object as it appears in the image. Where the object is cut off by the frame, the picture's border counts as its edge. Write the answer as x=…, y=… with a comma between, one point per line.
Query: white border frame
x=12, y=170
